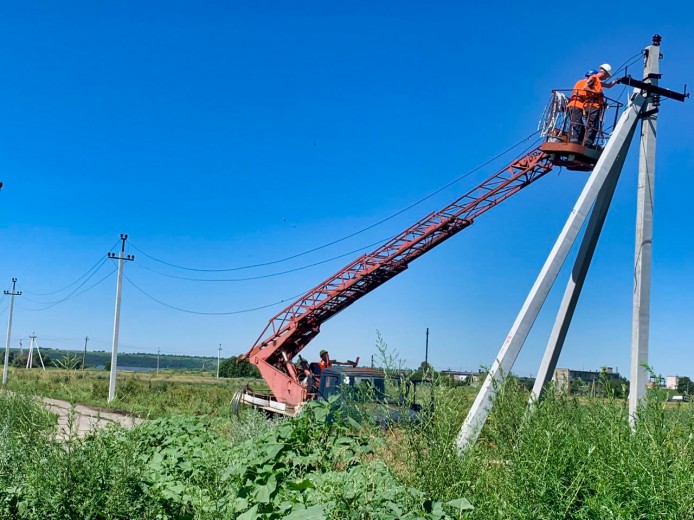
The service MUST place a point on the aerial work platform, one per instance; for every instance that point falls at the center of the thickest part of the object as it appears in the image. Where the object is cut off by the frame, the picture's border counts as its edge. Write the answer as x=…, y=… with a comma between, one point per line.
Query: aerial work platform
x=572, y=156
x=556, y=128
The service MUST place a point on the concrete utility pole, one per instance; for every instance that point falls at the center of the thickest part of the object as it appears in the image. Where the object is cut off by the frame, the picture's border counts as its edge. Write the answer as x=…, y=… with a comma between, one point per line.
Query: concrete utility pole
x=12, y=294
x=30, y=355
x=116, y=319
x=219, y=355
x=30, y=358
x=597, y=193
x=158, y=352
x=84, y=354
x=644, y=237
x=38, y=351
x=426, y=352
x=607, y=167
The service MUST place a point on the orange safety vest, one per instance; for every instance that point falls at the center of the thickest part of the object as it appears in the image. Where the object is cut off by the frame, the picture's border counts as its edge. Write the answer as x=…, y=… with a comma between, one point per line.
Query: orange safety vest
x=578, y=95
x=594, y=96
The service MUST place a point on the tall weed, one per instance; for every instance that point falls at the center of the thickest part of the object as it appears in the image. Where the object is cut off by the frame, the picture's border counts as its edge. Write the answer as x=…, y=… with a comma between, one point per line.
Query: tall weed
x=567, y=459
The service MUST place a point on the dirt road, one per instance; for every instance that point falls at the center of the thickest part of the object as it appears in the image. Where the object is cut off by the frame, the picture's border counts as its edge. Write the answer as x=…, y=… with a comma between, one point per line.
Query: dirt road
x=84, y=419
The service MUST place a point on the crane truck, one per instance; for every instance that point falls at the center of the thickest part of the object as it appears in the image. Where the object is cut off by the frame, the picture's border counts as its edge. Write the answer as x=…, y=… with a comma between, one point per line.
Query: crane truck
x=292, y=329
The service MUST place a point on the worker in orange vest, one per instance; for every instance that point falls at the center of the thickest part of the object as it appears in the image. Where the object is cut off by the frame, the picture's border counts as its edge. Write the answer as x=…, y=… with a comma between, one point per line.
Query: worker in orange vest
x=575, y=109
x=586, y=105
x=594, y=104
x=324, y=360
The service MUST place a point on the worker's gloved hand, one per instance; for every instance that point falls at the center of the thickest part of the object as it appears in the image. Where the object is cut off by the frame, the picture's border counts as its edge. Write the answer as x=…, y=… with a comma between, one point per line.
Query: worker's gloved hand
x=616, y=81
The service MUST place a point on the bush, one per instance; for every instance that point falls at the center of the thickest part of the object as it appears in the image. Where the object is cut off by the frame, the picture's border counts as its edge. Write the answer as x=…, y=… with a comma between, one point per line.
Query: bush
x=232, y=368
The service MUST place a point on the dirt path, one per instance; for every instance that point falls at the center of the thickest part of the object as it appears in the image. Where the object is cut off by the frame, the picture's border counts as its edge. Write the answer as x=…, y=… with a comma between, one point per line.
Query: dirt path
x=85, y=419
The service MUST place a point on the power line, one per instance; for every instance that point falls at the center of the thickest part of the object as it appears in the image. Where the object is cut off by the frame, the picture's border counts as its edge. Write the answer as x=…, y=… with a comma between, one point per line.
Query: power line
x=74, y=293
x=96, y=266
x=629, y=62
x=241, y=311
x=279, y=273
x=98, y=263
x=351, y=235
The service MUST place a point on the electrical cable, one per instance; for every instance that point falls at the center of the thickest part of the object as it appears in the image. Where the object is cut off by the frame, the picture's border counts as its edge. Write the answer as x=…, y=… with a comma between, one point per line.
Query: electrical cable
x=328, y=244
x=279, y=273
x=241, y=311
x=76, y=281
x=629, y=62
x=74, y=293
x=95, y=266
x=131, y=346
x=288, y=271
x=100, y=264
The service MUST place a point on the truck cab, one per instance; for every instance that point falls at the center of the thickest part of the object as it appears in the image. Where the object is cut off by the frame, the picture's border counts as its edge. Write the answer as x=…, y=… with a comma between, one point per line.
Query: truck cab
x=361, y=392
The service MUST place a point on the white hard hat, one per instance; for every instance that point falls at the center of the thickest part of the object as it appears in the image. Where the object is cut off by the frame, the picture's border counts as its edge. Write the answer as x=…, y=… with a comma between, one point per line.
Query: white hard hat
x=607, y=68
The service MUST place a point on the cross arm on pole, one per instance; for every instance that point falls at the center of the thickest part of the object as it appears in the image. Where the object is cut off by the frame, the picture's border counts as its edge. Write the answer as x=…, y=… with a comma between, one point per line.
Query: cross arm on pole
x=654, y=89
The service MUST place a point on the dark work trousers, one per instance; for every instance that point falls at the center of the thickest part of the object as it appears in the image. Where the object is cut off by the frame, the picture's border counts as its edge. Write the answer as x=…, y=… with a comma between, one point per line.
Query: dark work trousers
x=577, y=128
x=592, y=124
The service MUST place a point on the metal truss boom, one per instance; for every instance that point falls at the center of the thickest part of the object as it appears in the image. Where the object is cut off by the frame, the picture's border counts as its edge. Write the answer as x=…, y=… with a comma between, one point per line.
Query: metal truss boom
x=293, y=328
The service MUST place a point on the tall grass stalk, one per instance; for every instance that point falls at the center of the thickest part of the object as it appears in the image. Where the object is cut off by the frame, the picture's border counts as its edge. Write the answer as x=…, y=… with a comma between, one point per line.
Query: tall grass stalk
x=570, y=458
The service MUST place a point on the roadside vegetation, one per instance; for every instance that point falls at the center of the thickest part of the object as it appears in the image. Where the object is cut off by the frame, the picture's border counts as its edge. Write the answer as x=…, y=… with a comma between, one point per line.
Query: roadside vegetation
x=144, y=394
x=572, y=458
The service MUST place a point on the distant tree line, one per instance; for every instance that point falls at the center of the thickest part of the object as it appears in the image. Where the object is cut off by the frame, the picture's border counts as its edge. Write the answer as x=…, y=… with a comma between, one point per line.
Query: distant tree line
x=125, y=359
x=20, y=361
x=230, y=367
x=685, y=386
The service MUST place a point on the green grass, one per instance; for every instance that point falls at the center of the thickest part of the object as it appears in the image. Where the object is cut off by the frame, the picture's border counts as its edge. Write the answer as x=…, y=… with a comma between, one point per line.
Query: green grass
x=200, y=468
x=142, y=393
x=570, y=459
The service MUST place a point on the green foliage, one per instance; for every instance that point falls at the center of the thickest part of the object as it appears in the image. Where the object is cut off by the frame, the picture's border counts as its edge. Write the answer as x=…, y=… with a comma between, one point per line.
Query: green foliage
x=144, y=394
x=685, y=386
x=193, y=468
x=69, y=361
x=18, y=361
x=314, y=467
x=232, y=368
x=568, y=458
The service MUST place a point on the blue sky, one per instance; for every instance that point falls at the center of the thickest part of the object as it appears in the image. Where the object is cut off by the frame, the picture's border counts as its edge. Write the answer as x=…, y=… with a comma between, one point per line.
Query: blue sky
x=222, y=135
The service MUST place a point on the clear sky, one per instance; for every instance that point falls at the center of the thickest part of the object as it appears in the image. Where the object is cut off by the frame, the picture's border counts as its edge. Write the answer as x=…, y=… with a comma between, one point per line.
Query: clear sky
x=223, y=135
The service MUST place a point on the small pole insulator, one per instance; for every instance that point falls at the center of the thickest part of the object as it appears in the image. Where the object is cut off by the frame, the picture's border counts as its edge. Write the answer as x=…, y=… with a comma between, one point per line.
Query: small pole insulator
x=657, y=39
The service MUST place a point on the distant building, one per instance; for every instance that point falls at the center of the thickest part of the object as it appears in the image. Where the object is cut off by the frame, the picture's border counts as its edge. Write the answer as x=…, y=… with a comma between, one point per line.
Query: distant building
x=672, y=382
x=468, y=378
x=564, y=377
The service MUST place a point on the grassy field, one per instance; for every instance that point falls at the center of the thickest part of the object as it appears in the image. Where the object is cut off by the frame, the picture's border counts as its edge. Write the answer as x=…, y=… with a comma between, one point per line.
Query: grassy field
x=569, y=459
x=146, y=394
